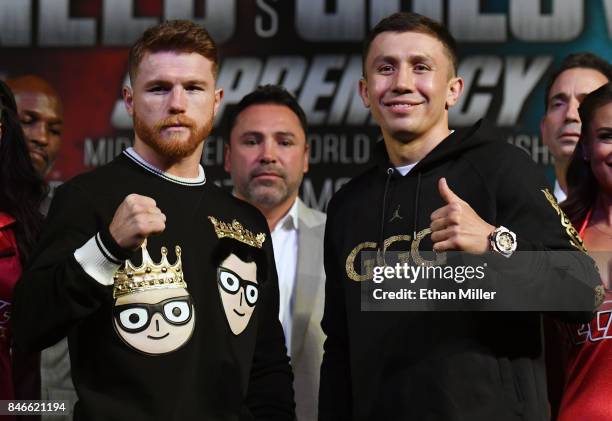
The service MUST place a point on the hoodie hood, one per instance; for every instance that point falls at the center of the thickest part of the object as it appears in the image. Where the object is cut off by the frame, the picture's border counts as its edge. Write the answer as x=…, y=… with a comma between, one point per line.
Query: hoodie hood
x=454, y=145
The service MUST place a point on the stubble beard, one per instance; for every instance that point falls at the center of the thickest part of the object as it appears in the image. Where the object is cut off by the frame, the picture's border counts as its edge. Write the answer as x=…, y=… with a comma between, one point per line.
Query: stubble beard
x=173, y=147
x=269, y=194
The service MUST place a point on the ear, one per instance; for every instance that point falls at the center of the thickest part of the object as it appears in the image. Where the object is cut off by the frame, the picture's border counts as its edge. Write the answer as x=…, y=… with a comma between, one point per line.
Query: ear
x=218, y=99
x=363, y=92
x=227, y=165
x=306, y=156
x=128, y=100
x=455, y=89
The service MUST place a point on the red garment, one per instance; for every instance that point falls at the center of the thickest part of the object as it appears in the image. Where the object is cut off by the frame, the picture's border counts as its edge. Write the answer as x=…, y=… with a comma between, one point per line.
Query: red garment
x=588, y=380
x=10, y=271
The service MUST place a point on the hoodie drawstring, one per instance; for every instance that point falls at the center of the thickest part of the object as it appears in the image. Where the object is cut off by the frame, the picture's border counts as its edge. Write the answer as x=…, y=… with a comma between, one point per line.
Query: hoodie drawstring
x=416, y=206
x=384, y=208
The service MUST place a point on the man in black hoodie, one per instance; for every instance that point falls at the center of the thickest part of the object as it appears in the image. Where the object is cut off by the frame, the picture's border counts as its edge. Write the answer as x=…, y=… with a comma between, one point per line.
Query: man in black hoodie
x=446, y=191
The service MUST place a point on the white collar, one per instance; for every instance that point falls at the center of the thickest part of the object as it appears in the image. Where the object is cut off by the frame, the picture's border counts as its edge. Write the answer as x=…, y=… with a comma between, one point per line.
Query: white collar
x=184, y=181
x=405, y=169
x=290, y=220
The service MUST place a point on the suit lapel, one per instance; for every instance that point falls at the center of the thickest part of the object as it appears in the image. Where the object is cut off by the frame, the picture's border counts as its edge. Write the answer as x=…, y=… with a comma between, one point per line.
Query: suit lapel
x=308, y=279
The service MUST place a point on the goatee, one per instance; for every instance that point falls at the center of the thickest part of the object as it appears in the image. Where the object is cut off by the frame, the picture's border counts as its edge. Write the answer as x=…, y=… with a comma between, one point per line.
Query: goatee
x=172, y=146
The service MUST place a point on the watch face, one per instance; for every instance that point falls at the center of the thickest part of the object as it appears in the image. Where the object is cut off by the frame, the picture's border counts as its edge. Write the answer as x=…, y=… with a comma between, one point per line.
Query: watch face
x=505, y=241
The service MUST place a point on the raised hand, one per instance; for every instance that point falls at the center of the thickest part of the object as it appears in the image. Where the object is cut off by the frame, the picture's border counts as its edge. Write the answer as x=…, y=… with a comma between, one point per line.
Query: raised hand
x=456, y=226
x=136, y=218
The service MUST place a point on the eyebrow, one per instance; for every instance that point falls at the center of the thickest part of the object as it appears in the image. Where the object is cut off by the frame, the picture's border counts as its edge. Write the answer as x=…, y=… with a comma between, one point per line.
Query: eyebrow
x=31, y=113
x=561, y=95
x=411, y=58
x=604, y=129
x=284, y=133
x=165, y=82
x=251, y=133
x=260, y=134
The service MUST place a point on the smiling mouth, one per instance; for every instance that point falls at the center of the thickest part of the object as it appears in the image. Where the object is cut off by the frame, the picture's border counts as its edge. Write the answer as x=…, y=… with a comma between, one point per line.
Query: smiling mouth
x=400, y=107
x=238, y=313
x=158, y=337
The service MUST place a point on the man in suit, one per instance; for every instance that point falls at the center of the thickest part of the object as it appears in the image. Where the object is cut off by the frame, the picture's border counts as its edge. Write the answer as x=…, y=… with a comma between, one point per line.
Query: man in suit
x=577, y=75
x=267, y=156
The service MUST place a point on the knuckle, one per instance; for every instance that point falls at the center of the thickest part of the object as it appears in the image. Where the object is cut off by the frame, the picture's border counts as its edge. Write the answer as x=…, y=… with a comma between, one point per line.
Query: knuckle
x=141, y=225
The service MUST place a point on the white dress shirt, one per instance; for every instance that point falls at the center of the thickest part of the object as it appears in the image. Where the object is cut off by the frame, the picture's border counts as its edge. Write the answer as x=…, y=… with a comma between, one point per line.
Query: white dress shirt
x=285, y=242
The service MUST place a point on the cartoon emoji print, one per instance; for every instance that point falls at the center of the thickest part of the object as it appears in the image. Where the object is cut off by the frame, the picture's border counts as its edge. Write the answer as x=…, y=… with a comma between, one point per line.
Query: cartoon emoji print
x=239, y=290
x=153, y=311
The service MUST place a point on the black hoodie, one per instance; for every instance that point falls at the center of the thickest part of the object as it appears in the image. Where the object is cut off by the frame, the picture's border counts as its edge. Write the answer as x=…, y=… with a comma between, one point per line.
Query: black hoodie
x=445, y=365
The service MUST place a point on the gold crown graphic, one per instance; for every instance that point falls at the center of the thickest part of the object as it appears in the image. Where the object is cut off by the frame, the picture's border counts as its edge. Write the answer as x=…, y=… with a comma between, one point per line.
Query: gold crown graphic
x=149, y=275
x=236, y=231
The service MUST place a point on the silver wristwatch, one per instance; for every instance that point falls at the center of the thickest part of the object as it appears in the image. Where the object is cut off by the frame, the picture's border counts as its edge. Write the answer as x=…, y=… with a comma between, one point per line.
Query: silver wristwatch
x=502, y=241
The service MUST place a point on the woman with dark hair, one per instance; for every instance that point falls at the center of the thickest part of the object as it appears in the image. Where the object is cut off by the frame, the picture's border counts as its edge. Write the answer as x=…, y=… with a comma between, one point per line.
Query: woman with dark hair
x=21, y=193
x=587, y=348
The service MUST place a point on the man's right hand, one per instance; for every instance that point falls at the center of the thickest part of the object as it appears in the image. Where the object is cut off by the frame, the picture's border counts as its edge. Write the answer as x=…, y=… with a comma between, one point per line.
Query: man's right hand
x=136, y=218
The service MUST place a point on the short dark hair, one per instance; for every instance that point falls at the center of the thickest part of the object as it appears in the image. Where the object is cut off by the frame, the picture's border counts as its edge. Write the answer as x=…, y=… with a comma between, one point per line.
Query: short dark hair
x=173, y=35
x=412, y=22
x=584, y=60
x=268, y=94
x=244, y=252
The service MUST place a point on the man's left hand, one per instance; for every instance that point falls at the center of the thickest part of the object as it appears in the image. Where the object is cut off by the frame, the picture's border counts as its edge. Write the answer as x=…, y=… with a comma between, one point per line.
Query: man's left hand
x=456, y=226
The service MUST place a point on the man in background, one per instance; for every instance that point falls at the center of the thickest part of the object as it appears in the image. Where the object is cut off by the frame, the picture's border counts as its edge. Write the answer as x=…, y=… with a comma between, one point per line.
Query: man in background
x=42, y=117
x=267, y=156
x=578, y=75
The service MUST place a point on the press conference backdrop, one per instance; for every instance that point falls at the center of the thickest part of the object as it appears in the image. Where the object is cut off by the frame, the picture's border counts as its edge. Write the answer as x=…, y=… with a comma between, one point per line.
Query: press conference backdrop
x=313, y=48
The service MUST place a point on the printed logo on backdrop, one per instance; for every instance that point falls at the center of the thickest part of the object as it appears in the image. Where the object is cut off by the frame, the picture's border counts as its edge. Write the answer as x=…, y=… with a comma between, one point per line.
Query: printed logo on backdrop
x=313, y=48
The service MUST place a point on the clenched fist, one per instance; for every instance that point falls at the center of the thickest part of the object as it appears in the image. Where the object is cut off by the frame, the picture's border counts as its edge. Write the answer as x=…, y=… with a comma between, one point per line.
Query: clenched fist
x=456, y=226
x=136, y=218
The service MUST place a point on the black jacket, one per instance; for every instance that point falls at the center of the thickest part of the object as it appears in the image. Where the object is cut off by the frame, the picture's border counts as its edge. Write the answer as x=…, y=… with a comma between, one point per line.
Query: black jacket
x=440, y=365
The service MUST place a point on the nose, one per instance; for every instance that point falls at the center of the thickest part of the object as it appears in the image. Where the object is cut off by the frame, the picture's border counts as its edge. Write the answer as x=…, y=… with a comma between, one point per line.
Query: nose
x=268, y=151
x=241, y=296
x=157, y=325
x=403, y=81
x=177, y=100
x=571, y=113
x=38, y=133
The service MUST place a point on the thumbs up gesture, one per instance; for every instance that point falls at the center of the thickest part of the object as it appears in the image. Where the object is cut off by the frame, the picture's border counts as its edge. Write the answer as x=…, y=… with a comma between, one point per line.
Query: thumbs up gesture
x=456, y=226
